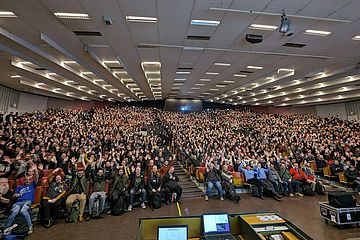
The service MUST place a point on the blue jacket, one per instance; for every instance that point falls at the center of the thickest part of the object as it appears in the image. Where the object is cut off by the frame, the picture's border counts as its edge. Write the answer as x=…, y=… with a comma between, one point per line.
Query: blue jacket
x=261, y=172
x=249, y=174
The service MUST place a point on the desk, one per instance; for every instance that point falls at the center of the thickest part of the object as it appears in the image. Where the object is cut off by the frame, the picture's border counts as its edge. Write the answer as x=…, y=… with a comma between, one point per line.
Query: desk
x=247, y=226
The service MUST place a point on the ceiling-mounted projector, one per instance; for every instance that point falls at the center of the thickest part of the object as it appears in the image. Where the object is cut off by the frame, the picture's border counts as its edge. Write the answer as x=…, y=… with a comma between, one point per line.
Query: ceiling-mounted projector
x=254, y=38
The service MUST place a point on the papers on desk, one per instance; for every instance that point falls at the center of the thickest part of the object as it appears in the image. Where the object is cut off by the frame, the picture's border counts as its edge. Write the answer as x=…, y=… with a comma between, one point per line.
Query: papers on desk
x=269, y=218
x=271, y=228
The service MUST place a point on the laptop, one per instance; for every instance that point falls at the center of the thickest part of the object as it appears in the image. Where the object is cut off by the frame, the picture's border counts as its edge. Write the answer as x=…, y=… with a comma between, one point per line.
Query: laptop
x=216, y=226
x=179, y=232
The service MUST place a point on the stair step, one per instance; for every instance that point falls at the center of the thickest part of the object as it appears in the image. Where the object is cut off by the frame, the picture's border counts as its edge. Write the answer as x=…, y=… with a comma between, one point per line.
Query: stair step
x=197, y=195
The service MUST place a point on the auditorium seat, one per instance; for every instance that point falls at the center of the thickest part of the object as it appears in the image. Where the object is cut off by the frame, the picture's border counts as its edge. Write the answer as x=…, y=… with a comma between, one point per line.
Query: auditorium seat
x=237, y=179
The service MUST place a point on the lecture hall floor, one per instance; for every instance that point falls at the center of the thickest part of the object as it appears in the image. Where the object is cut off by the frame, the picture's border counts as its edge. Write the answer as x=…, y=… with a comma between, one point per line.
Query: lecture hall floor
x=303, y=212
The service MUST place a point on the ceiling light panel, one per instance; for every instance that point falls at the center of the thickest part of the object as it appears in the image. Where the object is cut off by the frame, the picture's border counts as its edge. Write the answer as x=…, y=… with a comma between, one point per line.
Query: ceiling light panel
x=79, y=16
x=356, y=38
x=211, y=23
x=7, y=14
x=263, y=27
x=222, y=64
x=254, y=67
x=152, y=70
x=141, y=19
x=316, y=32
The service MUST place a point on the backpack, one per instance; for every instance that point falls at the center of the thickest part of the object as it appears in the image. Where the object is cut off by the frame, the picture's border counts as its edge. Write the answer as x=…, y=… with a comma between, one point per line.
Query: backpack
x=74, y=212
x=307, y=191
x=157, y=201
x=319, y=188
x=255, y=191
x=95, y=211
x=118, y=206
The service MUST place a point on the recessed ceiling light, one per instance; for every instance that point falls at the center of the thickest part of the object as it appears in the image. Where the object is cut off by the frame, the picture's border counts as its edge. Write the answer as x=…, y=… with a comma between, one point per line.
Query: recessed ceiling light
x=205, y=80
x=228, y=81
x=222, y=64
x=16, y=76
x=141, y=19
x=199, y=84
x=178, y=84
x=81, y=16
x=68, y=62
x=285, y=70
x=180, y=79
x=356, y=38
x=240, y=75
x=316, y=32
x=205, y=22
x=7, y=14
x=195, y=88
x=86, y=73
x=213, y=89
x=25, y=62
x=263, y=27
x=218, y=85
x=254, y=67
x=212, y=73
x=182, y=72
x=110, y=61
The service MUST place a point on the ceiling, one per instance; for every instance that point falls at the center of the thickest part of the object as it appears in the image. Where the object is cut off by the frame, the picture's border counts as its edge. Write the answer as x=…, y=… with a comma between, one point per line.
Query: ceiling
x=157, y=59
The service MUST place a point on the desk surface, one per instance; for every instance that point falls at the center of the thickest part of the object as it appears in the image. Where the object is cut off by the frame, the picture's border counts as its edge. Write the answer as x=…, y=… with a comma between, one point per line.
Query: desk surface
x=254, y=219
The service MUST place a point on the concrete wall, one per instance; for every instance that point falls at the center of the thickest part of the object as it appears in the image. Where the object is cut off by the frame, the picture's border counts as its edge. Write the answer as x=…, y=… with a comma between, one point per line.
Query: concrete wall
x=29, y=103
x=332, y=110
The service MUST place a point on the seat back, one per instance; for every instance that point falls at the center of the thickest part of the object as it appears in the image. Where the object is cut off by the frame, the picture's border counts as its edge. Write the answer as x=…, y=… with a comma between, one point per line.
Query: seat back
x=342, y=177
x=326, y=171
x=237, y=179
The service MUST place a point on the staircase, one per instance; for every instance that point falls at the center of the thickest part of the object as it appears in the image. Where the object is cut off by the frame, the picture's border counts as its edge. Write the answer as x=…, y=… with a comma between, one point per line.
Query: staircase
x=189, y=188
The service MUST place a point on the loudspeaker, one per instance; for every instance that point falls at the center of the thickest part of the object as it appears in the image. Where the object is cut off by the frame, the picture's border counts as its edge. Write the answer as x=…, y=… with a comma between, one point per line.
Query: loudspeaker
x=253, y=38
x=341, y=199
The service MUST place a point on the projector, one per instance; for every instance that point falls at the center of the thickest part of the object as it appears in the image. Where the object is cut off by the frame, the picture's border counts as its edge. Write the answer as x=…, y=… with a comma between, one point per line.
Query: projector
x=254, y=38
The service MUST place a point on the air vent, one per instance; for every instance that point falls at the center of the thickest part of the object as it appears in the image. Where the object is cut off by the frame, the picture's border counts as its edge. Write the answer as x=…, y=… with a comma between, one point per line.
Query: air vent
x=294, y=45
x=198, y=37
x=244, y=71
x=117, y=68
x=185, y=68
x=88, y=33
x=40, y=69
x=146, y=46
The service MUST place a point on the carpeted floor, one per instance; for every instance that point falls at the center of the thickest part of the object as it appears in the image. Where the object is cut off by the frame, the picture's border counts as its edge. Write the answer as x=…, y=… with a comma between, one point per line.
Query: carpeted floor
x=303, y=212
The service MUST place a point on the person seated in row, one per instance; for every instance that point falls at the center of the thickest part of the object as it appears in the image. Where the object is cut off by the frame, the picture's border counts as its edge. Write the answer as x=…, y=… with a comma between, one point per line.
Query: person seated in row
x=260, y=173
x=298, y=177
x=119, y=191
x=250, y=177
x=24, y=197
x=352, y=176
x=155, y=184
x=137, y=188
x=53, y=198
x=285, y=177
x=78, y=190
x=99, y=184
x=213, y=178
x=5, y=195
x=310, y=175
x=171, y=186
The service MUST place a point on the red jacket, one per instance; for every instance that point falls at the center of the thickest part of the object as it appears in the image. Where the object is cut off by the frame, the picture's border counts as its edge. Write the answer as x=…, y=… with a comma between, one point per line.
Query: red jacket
x=298, y=174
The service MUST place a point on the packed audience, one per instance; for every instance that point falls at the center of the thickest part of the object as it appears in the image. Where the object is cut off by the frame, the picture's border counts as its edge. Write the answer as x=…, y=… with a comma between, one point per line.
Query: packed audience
x=86, y=159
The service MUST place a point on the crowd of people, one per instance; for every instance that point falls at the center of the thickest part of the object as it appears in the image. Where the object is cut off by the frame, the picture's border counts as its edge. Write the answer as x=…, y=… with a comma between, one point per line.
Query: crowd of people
x=274, y=152
x=122, y=156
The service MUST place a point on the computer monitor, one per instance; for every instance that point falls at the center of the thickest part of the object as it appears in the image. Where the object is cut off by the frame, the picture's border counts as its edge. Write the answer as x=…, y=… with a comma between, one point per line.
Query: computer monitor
x=172, y=232
x=217, y=223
